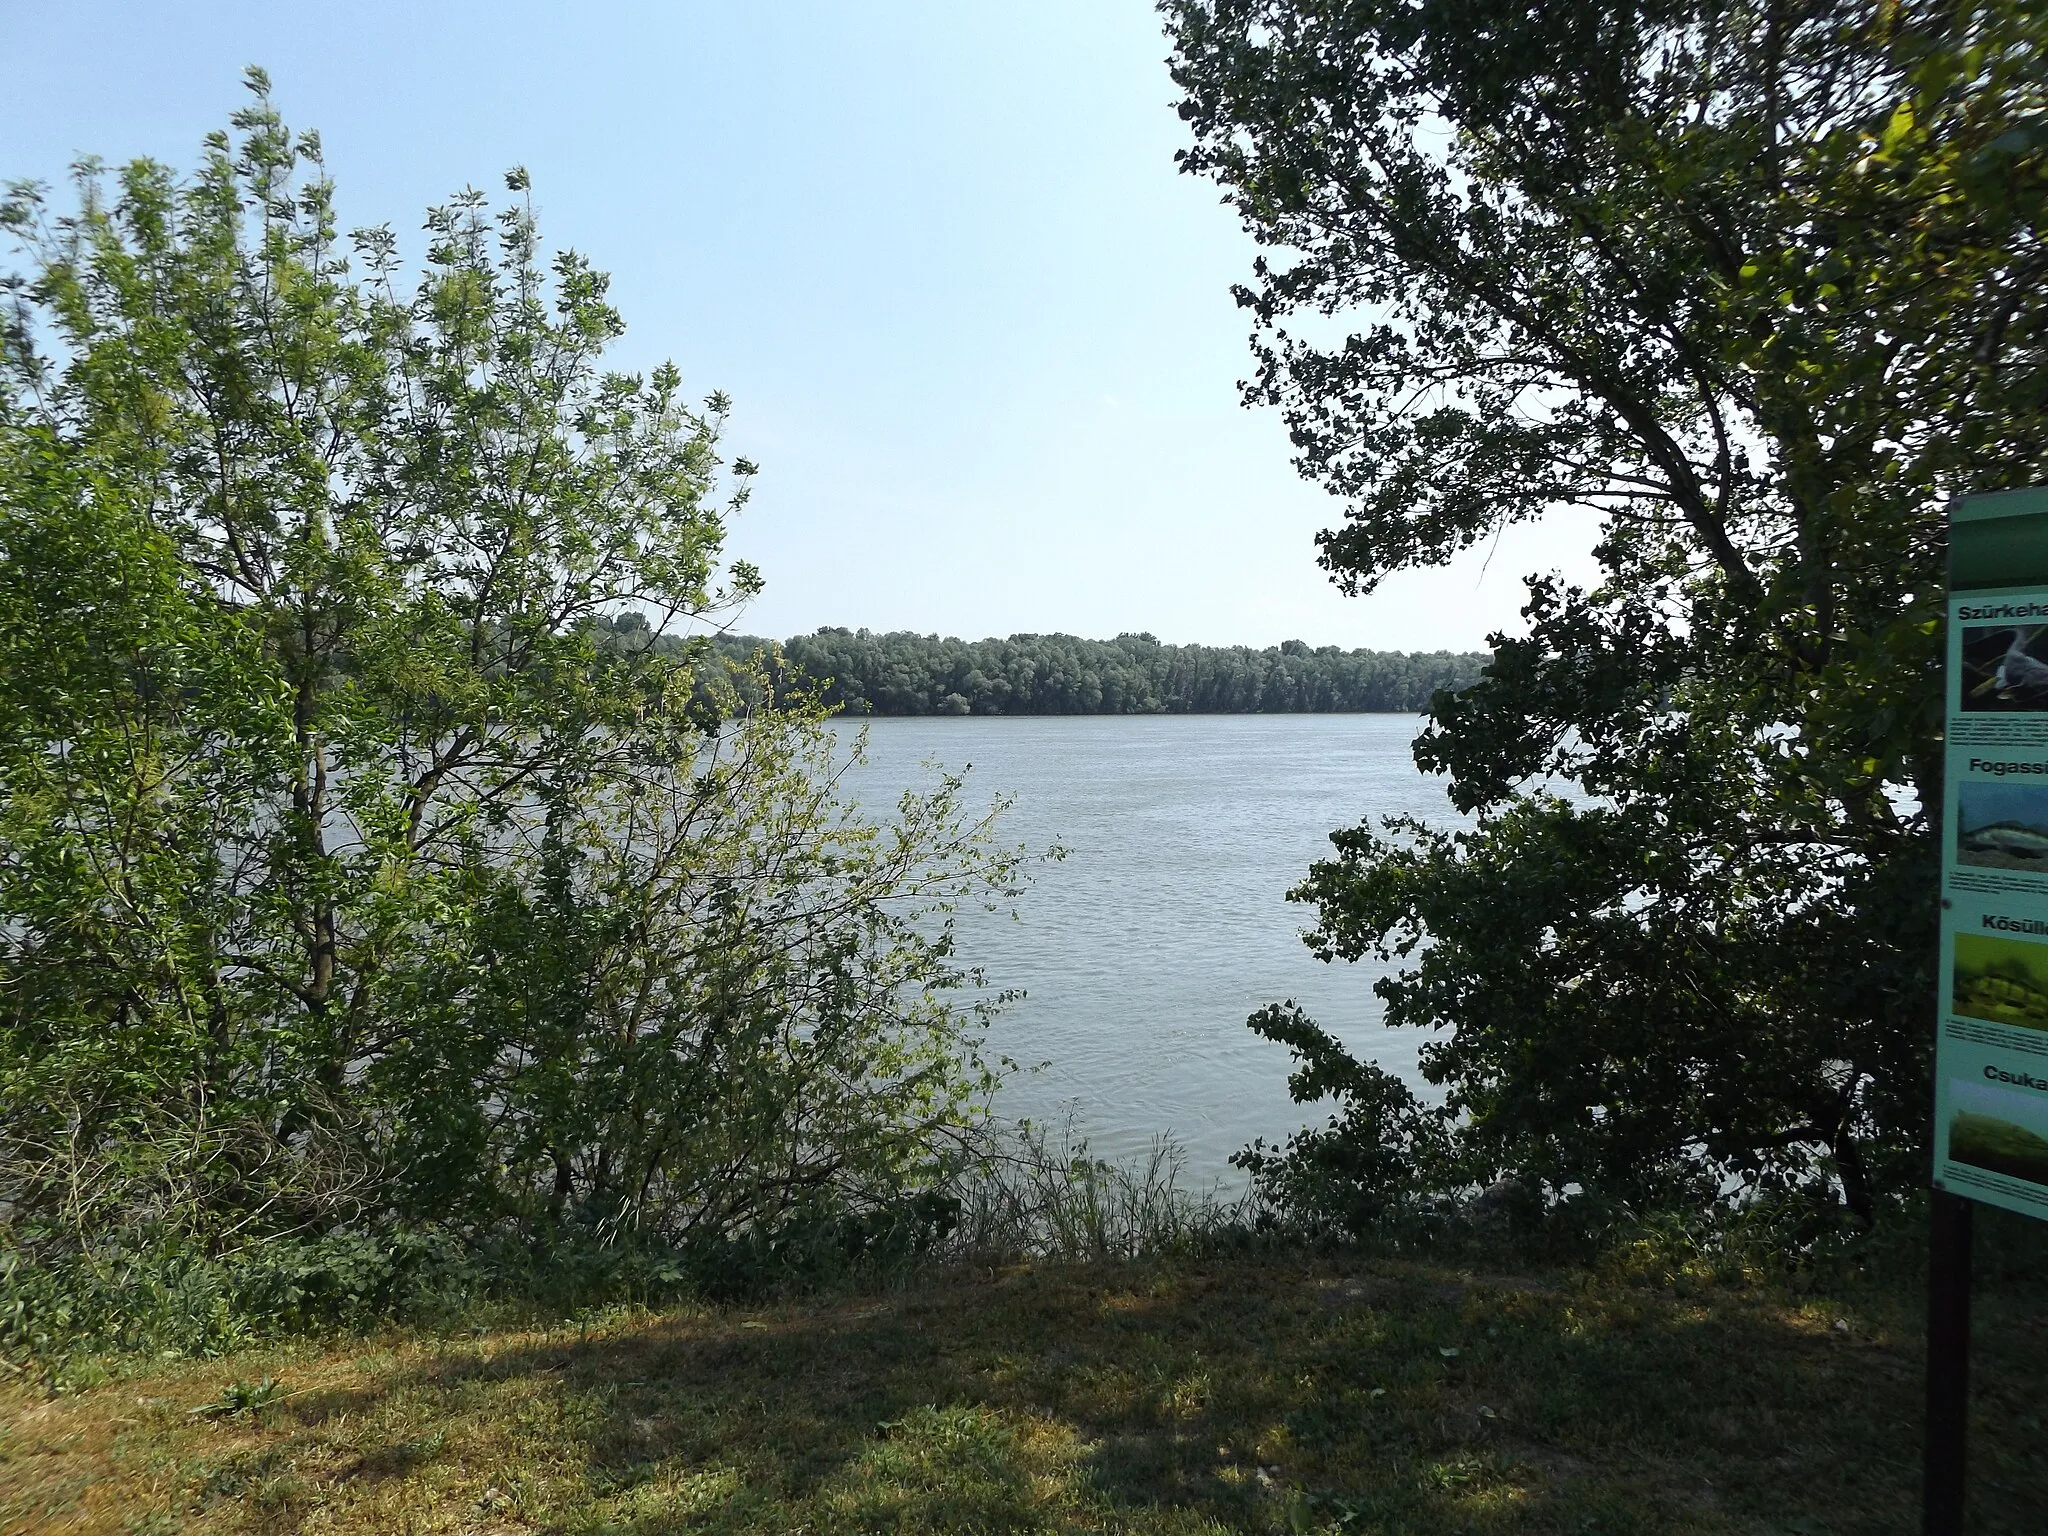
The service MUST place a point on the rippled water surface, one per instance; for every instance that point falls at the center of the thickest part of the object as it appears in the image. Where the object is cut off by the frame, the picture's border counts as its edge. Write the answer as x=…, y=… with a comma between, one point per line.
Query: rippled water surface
x=1143, y=951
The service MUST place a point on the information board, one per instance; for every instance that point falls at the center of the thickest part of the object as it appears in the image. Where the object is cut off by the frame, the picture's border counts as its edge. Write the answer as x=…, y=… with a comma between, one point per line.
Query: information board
x=1991, y=1055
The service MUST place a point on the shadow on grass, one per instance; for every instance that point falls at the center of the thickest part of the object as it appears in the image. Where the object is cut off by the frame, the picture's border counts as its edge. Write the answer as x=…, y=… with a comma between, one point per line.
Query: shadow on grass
x=1275, y=1396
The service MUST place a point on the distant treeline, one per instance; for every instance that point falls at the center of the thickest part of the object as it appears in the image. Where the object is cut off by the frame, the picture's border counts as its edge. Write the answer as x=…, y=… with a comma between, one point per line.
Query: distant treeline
x=909, y=674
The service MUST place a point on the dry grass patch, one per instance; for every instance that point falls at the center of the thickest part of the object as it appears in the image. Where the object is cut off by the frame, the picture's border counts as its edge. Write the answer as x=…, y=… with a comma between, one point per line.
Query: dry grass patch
x=1277, y=1396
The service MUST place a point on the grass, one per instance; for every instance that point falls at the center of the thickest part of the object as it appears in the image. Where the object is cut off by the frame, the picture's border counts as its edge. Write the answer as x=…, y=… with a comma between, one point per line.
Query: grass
x=1278, y=1394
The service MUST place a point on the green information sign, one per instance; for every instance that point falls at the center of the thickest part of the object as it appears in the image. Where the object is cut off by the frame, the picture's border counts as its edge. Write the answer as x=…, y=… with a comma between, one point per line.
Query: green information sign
x=1991, y=1055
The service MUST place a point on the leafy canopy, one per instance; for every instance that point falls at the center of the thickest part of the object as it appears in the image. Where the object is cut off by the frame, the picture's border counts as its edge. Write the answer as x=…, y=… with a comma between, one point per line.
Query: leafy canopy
x=1759, y=286
x=350, y=871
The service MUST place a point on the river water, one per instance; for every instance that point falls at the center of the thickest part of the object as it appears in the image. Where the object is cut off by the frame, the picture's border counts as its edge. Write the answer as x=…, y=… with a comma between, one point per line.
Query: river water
x=1142, y=951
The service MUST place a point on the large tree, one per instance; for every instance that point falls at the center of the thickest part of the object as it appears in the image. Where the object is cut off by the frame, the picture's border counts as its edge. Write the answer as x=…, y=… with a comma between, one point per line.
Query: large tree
x=349, y=869
x=1760, y=285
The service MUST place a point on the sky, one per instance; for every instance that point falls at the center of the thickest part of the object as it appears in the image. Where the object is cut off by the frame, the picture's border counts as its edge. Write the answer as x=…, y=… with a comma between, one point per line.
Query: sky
x=977, y=328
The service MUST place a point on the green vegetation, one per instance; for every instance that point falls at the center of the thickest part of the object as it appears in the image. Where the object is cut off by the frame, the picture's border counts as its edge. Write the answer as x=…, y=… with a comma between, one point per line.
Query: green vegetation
x=1760, y=288
x=396, y=923
x=356, y=905
x=1273, y=1394
x=906, y=674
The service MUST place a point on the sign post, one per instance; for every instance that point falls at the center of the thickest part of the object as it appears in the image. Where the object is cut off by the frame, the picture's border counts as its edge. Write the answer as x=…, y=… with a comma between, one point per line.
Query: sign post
x=1991, y=1040
x=1948, y=1363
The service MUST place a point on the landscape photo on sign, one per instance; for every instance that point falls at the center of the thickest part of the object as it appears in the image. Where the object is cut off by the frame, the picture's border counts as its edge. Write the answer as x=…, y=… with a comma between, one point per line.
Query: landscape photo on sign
x=2001, y=671
x=2002, y=1129
x=2002, y=825
x=2002, y=980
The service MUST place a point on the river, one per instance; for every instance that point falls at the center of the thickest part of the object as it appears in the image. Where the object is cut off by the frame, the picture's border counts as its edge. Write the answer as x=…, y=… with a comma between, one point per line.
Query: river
x=1142, y=952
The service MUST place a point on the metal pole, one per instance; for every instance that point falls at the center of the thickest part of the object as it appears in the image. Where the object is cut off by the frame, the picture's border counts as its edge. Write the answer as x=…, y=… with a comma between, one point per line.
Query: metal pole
x=1948, y=1363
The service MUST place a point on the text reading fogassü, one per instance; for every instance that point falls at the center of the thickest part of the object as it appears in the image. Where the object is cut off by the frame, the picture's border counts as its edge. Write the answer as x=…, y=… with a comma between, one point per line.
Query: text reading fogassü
x=1999, y=770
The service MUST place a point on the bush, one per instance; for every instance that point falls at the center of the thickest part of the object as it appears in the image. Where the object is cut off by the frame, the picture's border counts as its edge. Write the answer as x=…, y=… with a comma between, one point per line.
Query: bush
x=358, y=875
x=171, y=1300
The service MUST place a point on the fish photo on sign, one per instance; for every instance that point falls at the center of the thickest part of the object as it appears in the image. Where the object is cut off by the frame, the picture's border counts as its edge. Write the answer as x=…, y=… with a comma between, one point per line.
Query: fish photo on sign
x=2000, y=979
x=2002, y=826
x=2000, y=671
x=1998, y=1128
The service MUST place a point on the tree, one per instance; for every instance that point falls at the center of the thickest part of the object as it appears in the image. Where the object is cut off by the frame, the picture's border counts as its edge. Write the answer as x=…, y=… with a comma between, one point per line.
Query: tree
x=1760, y=284
x=910, y=674
x=353, y=866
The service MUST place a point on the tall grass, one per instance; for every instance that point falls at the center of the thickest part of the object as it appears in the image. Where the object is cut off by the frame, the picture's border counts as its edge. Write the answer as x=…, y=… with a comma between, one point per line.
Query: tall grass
x=1024, y=1194
x=1040, y=1194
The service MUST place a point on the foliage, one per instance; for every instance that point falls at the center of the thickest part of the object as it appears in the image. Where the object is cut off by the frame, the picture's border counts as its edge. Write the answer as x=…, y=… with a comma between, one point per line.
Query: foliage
x=348, y=883
x=166, y=1301
x=909, y=674
x=1385, y=1161
x=1761, y=286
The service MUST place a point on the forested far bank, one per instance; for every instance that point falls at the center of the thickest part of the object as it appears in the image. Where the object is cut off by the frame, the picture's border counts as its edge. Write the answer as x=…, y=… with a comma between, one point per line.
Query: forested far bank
x=901, y=673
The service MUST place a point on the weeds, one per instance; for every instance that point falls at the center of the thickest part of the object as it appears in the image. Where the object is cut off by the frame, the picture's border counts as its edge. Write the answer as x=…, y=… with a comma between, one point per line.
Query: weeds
x=240, y=1398
x=1040, y=1197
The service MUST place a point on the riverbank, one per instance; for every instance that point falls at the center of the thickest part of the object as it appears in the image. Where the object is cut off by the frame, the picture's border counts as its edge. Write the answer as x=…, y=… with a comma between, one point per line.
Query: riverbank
x=1273, y=1394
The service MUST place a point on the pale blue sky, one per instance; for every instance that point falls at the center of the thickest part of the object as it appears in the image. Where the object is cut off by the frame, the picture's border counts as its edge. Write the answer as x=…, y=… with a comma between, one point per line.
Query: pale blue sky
x=977, y=328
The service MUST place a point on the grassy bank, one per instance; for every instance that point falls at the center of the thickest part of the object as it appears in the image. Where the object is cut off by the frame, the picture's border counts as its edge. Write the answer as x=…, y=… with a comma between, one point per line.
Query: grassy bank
x=1268, y=1395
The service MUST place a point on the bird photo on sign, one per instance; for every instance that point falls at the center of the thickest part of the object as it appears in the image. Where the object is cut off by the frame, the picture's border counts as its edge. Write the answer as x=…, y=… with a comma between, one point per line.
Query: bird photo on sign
x=2000, y=669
